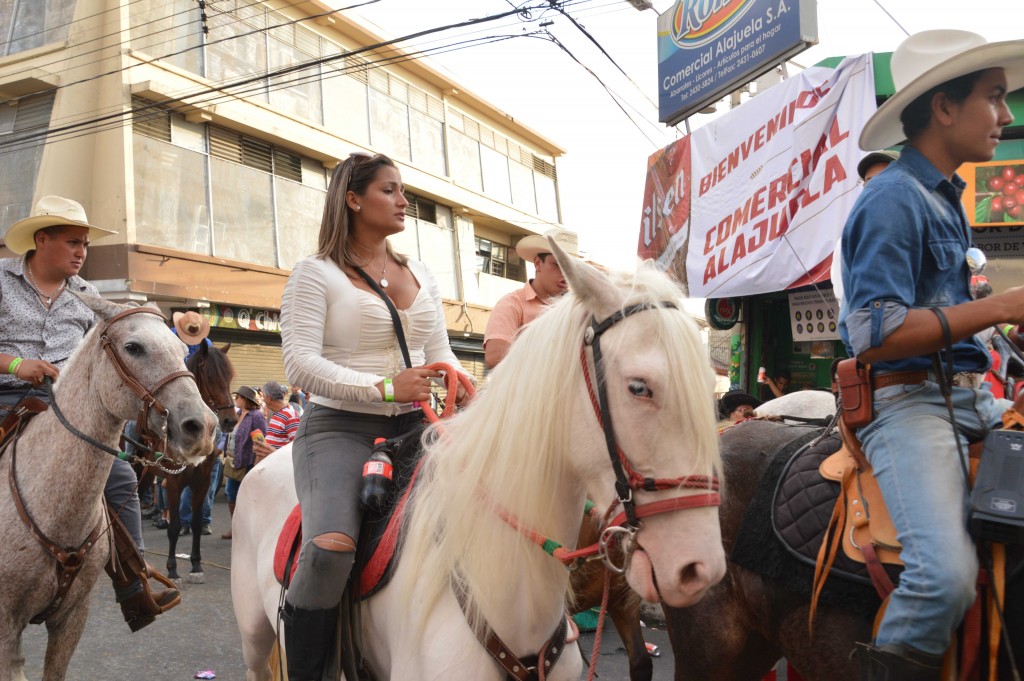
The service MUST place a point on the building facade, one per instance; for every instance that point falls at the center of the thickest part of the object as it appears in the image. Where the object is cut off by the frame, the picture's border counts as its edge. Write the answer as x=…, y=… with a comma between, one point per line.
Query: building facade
x=206, y=136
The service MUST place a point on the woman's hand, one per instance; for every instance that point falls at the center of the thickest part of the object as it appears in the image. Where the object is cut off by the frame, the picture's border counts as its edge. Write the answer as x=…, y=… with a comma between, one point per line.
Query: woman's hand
x=412, y=385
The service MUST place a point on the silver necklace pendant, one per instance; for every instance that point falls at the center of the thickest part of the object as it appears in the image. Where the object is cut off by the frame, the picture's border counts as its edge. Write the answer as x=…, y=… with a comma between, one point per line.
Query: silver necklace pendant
x=383, y=283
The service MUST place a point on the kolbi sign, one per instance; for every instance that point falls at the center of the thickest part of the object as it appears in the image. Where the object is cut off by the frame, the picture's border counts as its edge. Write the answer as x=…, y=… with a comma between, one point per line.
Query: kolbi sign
x=707, y=48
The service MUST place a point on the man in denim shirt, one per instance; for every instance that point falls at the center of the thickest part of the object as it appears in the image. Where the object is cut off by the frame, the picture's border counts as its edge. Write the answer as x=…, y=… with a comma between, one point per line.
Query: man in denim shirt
x=904, y=249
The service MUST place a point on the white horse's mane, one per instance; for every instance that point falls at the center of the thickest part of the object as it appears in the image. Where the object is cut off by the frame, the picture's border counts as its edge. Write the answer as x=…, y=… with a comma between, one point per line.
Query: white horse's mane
x=508, y=450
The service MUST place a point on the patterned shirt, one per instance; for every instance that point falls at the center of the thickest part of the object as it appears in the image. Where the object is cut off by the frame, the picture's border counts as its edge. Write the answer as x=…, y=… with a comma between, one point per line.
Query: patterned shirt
x=282, y=427
x=29, y=330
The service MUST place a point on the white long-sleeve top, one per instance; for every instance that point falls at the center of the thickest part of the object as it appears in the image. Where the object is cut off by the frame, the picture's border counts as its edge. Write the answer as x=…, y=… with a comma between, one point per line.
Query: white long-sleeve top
x=339, y=342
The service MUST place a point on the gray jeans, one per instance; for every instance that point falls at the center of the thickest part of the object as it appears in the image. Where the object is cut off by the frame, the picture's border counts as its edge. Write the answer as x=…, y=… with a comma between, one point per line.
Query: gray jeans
x=121, y=488
x=330, y=449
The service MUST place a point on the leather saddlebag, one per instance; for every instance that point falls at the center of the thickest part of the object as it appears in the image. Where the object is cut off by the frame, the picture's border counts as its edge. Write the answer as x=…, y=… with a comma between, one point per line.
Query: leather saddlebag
x=855, y=393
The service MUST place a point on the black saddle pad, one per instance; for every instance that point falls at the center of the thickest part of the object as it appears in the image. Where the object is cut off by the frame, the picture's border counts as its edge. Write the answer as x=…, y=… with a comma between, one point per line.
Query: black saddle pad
x=803, y=505
x=406, y=452
x=758, y=546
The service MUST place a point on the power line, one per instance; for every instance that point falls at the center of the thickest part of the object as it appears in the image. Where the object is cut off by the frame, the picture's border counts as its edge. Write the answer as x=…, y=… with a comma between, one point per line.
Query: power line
x=267, y=29
x=608, y=90
x=223, y=89
x=258, y=82
x=67, y=23
x=156, y=110
x=32, y=66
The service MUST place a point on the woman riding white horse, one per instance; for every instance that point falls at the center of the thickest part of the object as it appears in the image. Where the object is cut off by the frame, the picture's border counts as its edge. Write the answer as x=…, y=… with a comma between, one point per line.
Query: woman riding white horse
x=525, y=454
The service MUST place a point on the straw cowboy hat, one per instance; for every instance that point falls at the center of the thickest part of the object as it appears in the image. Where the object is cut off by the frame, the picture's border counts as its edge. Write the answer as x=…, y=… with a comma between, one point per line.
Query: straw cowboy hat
x=733, y=399
x=50, y=211
x=930, y=58
x=531, y=246
x=192, y=327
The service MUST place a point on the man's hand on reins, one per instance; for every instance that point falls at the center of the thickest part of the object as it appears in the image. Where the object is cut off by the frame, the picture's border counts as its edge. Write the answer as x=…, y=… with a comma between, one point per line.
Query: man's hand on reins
x=33, y=370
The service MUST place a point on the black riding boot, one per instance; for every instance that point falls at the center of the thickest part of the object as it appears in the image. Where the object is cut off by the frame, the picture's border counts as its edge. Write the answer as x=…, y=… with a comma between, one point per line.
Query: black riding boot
x=308, y=639
x=895, y=662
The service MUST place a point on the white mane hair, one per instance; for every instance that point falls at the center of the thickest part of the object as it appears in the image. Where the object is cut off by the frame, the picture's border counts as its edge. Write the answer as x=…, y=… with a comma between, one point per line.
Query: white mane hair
x=509, y=449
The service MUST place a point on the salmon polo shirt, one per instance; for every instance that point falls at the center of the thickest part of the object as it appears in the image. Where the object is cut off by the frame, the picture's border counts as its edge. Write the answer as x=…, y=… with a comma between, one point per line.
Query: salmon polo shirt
x=514, y=311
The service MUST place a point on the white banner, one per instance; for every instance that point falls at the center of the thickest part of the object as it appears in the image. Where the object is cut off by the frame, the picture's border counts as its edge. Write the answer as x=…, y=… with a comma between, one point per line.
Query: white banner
x=773, y=180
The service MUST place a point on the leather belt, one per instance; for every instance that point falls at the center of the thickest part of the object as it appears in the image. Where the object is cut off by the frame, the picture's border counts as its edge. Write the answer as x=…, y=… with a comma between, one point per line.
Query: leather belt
x=888, y=378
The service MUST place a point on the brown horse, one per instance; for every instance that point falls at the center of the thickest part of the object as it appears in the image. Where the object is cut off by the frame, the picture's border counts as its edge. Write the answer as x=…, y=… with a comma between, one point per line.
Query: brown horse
x=746, y=623
x=587, y=583
x=214, y=373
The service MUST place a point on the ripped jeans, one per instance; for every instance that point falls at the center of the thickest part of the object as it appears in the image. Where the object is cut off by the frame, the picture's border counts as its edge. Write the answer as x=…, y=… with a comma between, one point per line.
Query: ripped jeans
x=910, y=446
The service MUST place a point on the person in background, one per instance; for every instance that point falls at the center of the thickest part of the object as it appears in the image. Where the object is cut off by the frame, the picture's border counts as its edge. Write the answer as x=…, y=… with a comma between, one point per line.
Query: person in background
x=296, y=401
x=868, y=168
x=339, y=343
x=192, y=328
x=875, y=162
x=283, y=423
x=41, y=324
x=517, y=309
x=779, y=383
x=906, y=272
x=250, y=420
x=737, y=406
x=185, y=508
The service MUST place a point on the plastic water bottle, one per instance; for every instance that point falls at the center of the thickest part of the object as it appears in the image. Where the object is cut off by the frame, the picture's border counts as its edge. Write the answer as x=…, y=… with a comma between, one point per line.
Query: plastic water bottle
x=378, y=477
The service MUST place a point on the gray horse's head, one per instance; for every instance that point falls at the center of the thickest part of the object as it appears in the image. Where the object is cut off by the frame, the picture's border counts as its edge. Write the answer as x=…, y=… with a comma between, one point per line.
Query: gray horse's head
x=150, y=353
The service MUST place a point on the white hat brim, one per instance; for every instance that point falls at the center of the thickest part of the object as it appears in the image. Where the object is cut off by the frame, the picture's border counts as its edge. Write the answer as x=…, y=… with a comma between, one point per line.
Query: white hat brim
x=20, y=238
x=530, y=247
x=884, y=128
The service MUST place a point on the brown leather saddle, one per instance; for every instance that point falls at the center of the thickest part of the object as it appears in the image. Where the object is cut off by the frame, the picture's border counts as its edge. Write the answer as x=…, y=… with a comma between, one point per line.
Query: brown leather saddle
x=17, y=416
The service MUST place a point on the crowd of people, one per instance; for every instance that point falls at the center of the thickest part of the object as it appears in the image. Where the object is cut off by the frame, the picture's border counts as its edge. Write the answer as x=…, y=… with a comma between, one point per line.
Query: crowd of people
x=361, y=324
x=273, y=410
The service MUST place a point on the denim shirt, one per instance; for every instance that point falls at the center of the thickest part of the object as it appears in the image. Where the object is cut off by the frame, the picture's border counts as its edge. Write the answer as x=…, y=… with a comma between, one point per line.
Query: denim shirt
x=904, y=247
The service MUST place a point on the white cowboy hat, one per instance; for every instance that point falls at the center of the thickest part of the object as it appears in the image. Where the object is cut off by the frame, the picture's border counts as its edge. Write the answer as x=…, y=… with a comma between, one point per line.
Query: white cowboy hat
x=191, y=326
x=530, y=247
x=50, y=211
x=930, y=58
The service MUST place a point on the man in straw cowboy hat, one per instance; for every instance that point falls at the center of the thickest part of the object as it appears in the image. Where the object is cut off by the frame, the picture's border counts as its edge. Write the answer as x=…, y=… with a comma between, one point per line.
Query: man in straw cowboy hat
x=192, y=328
x=517, y=309
x=52, y=244
x=905, y=251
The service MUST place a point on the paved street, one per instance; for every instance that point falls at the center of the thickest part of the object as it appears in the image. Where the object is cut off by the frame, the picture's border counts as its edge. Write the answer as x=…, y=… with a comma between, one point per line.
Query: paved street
x=200, y=633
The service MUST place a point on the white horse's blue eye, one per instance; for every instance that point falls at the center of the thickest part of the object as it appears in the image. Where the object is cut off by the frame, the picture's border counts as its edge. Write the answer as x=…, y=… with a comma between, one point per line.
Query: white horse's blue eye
x=639, y=388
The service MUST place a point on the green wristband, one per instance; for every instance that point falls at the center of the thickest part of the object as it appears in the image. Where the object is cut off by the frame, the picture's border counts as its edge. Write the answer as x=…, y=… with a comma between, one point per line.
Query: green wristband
x=389, y=390
x=12, y=368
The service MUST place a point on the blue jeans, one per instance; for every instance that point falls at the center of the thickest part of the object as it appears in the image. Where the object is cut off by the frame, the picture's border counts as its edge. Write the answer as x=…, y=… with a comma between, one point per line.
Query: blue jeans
x=911, y=448
x=185, y=510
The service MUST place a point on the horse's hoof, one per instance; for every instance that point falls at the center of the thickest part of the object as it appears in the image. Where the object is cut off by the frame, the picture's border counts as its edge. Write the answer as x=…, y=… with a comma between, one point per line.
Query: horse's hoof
x=176, y=581
x=197, y=578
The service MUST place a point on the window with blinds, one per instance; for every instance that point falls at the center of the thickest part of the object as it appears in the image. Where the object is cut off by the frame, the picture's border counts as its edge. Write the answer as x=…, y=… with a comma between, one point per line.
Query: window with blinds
x=254, y=153
x=151, y=120
x=421, y=208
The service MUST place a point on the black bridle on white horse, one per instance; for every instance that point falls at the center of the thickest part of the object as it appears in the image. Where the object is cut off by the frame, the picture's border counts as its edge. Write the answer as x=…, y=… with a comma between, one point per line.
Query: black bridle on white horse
x=626, y=524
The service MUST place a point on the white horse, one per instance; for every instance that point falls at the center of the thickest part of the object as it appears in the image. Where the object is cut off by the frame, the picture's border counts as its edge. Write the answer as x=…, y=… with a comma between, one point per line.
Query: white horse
x=61, y=477
x=808, y=404
x=530, y=446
